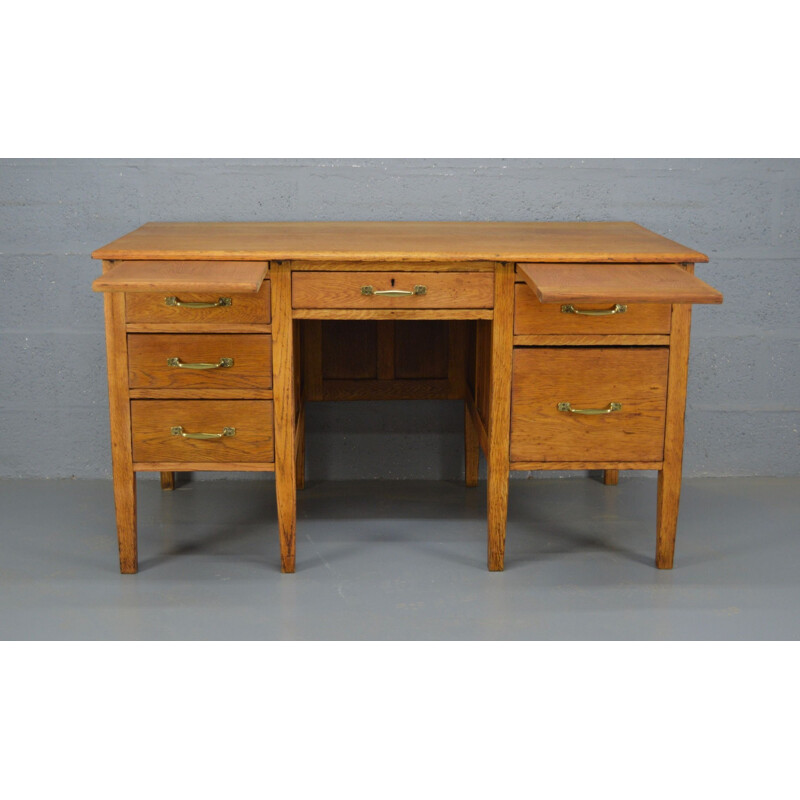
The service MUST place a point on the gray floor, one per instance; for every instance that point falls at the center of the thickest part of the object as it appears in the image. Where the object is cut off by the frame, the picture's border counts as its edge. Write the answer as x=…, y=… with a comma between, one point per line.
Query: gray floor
x=401, y=560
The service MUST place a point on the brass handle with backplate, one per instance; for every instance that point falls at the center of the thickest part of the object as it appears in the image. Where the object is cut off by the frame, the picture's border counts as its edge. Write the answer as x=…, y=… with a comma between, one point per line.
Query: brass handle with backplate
x=177, y=430
x=607, y=410
x=619, y=308
x=173, y=301
x=419, y=289
x=222, y=363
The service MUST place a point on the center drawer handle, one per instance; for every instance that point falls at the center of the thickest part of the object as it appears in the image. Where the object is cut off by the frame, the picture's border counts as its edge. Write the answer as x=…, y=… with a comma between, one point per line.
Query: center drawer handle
x=223, y=362
x=173, y=301
x=178, y=430
x=418, y=289
x=618, y=308
x=607, y=410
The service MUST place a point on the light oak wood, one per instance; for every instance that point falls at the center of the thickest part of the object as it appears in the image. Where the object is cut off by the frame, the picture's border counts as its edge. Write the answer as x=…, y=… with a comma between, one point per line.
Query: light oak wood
x=197, y=327
x=588, y=378
x=524, y=466
x=151, y=308
x=611, y=477
x=200, y=394
x=205, y=466
x=546, y=340
x=148, y=355
x=119, y=413
x=392, y=313
x=534, y=317
x=499, y=391
x=152, y=420
x=239, y=277
x=669, y=478
x=400, y=241
x=167, y=481
x=457, y=351
x=392, y=266
x=344, y=289
x=472, y=448
x=284, y=389
x=616, y=283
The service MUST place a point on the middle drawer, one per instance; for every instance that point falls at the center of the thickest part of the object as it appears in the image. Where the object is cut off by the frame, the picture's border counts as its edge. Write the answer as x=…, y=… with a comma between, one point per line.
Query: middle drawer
x=202, y=360
x=392, y=289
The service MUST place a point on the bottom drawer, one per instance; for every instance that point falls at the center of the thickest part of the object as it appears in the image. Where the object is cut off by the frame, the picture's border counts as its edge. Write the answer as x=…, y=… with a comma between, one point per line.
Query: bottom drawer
x=551, y=386
x=233, y=431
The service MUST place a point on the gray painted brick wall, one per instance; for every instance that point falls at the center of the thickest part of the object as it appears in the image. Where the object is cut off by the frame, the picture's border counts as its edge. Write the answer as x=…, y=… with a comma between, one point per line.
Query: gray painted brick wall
x=744, y=393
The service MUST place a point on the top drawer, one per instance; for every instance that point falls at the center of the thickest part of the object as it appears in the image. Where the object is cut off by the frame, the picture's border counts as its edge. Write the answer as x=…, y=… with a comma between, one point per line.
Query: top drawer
x=533, y=317
x=220, y=307
x=392, y=289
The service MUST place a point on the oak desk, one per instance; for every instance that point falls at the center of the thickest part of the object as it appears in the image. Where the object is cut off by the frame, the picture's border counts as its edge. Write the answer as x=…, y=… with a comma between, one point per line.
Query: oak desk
x=568, y=343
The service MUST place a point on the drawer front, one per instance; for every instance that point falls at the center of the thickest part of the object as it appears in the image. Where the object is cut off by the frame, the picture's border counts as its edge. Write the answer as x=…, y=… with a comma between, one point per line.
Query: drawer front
x=165, y=307
x=533, y=317
x=203, y=360
x=153, y=424
x=588, y=378
x=414, y=289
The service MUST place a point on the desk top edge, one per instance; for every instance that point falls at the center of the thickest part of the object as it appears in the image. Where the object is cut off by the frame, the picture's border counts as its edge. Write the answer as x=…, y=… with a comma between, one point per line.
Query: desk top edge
x=568, y=242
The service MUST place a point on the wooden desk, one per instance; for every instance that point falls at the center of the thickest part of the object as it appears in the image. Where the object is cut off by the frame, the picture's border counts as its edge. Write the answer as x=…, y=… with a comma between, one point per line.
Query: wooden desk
x=568, y=343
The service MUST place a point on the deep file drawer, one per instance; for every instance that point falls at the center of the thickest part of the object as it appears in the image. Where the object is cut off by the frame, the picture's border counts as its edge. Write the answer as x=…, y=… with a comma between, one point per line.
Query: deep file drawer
x=201, y=361
x=588, y=404
x=392, y=290
x=195, y=431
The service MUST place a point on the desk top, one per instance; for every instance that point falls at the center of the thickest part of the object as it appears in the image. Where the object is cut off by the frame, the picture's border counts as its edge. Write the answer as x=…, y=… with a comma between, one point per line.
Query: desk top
x=600, y=242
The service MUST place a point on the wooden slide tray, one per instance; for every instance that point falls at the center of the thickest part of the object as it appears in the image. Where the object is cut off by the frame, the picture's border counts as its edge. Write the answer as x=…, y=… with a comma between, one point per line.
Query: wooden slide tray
x=624, y=283
x=232, y=277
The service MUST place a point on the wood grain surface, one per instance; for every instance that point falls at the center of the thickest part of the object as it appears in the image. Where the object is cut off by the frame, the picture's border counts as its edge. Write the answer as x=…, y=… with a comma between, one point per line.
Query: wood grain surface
x=616, y=283
x=251, y=354
x=534, y=317
x=399, y=241
x=151, y=308
x=343, y=289
x=589, y=378
x=151, y=421
x=183, y=276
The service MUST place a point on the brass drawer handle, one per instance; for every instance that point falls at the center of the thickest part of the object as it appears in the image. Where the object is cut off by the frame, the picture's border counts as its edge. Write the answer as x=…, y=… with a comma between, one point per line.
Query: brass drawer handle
x=173, y=301
x=223, y=362
x=618, y=308
x=177, y=430
x=418, y=289
x=607, y=410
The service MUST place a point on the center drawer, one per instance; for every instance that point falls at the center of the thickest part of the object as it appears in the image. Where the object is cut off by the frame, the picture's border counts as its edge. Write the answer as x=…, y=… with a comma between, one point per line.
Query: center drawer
x=588, y=403
x=206, y=360
x=392, y=289
x=195, y=431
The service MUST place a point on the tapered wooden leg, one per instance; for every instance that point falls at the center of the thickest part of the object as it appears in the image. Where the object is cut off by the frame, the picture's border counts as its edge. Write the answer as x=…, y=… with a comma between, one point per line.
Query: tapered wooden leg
x=500, y=413
x=120, y=419
x=167, y=481
x=300, y=456
x=284, y=387
x=610, y=477
x=125, y=507
x=669, y=478
x=472, y=449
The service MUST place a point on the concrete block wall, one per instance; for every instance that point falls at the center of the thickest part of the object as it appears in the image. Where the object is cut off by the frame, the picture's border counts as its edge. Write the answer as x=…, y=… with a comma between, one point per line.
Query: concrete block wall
x=743, y=410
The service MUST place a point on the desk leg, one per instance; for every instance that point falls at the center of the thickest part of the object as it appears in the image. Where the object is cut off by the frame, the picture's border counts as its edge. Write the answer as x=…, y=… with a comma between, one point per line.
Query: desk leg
x=283, y=386
x=669, y=477
x=610, y=477
x=120, y=415
x=502, y=349
x=472, y=449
